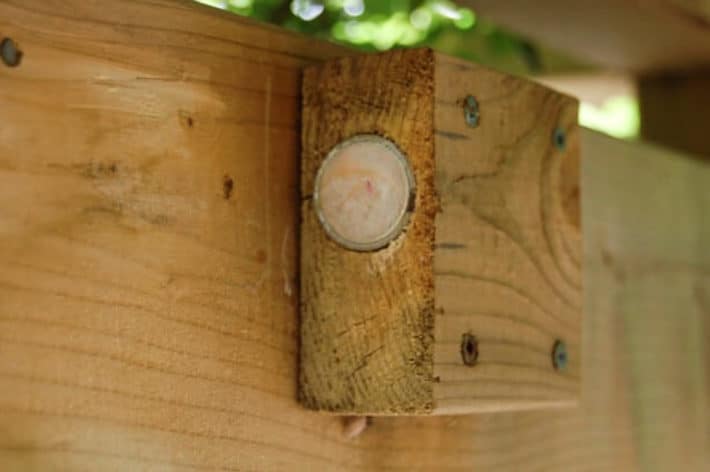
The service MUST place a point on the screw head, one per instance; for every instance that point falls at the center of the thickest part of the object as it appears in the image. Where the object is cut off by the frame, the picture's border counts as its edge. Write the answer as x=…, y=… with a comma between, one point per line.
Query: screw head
x=470, y=111
x=560, y=358
x=469, y=349
x=11, y=56
x=559, y=138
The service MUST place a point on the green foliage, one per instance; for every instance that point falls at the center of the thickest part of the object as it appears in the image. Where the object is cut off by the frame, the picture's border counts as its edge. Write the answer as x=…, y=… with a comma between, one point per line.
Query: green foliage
x=379, y=25
x=373, y=25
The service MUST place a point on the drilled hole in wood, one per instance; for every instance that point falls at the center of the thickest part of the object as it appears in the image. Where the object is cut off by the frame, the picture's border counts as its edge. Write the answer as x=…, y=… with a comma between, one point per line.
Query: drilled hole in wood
x=469, y=349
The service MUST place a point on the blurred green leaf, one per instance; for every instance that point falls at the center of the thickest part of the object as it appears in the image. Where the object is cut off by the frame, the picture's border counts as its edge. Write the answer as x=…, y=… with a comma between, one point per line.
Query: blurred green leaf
x=373, y=25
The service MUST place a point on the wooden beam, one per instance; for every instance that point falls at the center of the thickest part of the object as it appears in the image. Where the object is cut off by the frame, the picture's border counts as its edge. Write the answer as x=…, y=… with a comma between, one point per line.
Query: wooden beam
x=150, y=323
x=462, y=310
x=674, y=110
x=639, y=36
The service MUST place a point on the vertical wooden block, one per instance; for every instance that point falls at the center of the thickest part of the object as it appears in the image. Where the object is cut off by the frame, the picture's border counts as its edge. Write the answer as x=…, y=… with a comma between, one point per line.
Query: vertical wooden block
x=463, y=308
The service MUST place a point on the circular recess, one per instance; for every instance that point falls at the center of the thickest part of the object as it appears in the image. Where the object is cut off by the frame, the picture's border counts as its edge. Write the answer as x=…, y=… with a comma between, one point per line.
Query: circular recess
x=363, y=191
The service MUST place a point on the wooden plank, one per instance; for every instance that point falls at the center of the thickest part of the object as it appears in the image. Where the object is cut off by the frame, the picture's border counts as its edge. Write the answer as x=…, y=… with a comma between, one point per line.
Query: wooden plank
x=508, y=242
x=134, y=341
x=148, y=294
x=674, y=110
x=489, y=260
x=367, y=317
x=638, y=36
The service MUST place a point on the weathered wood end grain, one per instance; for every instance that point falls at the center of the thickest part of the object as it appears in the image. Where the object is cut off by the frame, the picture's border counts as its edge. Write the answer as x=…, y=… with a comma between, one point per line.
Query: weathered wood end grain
x=492, y=251
x=367, y=317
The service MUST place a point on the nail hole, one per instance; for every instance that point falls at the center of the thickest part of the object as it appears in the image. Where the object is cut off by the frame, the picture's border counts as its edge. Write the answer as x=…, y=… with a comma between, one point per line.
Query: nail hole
x=469, y=349
x=227, y=187
x=11, y=55
x=185, y=119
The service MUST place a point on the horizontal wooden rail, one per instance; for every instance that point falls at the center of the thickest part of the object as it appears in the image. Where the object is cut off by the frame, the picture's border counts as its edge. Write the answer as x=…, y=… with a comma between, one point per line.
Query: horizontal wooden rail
x=149, y=155
x=637, y=36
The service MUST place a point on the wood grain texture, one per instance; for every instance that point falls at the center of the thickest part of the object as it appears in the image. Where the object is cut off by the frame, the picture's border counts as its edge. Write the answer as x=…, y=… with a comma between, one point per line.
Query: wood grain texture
x=493, y=244
x=130, y=345
x=631, y=35
x=508, y=243
x=367, y=317
x=148, y=292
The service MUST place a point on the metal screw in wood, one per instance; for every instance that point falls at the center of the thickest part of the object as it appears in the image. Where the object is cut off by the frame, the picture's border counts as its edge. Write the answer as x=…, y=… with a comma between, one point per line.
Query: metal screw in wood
x=559, y=137
x=471, y=112
x=560, y=358
x=11, y=55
